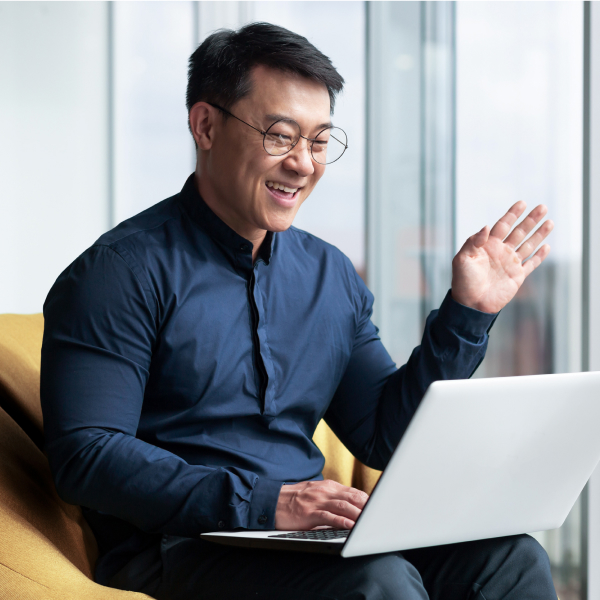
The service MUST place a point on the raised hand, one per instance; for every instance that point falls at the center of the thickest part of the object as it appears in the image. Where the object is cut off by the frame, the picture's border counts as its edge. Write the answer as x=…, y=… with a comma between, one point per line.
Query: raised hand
x=309, y=504
x=489, y=269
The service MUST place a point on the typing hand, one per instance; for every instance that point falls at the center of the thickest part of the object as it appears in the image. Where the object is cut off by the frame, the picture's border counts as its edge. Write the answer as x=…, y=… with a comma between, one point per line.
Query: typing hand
x=488, y=270
x=310, y=504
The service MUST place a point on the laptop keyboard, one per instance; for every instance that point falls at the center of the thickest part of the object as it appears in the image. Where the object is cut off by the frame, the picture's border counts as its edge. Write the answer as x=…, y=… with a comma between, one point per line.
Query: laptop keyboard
x=318, y=534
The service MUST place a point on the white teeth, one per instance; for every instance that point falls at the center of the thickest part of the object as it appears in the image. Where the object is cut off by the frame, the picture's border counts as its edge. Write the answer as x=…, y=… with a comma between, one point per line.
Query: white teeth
x=280, y=186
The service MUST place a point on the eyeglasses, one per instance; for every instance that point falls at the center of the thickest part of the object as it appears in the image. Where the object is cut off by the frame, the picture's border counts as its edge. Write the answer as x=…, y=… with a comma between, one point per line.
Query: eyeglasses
x=283, y=135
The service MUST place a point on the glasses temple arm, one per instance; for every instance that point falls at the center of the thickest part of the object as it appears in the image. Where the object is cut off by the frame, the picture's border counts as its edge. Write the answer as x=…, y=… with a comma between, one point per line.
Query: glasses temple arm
x=232, y=115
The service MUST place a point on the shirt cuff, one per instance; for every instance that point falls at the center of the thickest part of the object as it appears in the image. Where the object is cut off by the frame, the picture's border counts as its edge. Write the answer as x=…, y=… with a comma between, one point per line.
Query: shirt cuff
x=469, y=322
x=264, y=503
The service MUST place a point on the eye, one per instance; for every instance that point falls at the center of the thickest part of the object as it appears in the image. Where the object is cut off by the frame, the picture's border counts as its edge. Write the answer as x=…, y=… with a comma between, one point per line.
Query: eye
x=319, y=145
x=284, y=133
x=329, y=145
x=283, y=137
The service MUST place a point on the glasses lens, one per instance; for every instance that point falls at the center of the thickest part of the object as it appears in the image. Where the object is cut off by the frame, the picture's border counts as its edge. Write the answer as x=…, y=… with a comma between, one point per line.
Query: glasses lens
x=329, y=145
x=281, y=137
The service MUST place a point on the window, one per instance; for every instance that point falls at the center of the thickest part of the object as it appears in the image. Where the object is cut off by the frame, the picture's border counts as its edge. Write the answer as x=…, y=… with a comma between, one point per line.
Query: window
x=519, y=137
x=488, y=93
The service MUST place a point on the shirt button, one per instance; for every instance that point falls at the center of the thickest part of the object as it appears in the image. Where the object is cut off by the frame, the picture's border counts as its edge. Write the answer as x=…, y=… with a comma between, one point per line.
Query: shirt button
x=262, y=519
x=244, y=247
x=221, y=524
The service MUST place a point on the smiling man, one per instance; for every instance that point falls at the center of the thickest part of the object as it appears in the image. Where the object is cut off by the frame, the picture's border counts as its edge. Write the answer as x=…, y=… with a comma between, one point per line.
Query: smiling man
x=190, y=353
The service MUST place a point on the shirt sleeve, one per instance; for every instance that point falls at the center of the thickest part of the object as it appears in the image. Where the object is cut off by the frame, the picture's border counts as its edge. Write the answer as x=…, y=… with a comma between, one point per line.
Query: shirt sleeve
x=100, y=327
x=375, y=401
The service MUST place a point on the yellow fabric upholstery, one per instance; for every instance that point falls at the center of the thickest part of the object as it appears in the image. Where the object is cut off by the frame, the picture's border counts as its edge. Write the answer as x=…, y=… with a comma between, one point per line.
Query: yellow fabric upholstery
x=47, y=550
x=20, y=347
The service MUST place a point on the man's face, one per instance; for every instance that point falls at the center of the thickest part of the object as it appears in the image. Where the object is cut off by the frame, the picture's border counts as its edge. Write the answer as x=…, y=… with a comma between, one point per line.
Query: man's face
x=237, y=171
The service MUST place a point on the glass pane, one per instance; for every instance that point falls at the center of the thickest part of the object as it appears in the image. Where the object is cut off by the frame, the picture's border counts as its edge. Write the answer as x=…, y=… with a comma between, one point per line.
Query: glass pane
x=519, y=137
x=394, y=161
x=53, y=143
x=153, y=149
x=410, y=165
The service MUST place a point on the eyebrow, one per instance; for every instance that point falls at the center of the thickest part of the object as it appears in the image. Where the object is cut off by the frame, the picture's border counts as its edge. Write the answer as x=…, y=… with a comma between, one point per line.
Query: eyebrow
x=274, y=118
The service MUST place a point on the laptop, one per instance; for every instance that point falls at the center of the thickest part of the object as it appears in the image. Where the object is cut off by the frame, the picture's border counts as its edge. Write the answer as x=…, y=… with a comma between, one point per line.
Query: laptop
x=481, y=458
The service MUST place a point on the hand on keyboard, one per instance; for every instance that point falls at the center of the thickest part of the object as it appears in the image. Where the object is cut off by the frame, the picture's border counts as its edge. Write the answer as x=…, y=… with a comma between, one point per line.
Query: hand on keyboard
x=310, y=504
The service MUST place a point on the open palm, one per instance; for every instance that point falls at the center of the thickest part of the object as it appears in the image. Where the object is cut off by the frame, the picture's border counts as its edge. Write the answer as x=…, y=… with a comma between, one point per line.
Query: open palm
x=489, y=269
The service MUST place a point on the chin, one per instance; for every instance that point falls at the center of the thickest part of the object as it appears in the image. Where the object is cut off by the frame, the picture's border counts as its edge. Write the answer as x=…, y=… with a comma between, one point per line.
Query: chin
x=279, y=225
x=278, y=221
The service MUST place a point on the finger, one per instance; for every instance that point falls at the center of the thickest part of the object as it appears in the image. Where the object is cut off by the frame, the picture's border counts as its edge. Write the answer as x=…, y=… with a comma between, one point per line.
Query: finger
x=324, y=517
x=526, y=226
x=334, y=485
x=475, y=241
x=536, y=260
x=531, y=243
x=343, y=509
x=350, y=494
x=357, y=498
x=341, y=493
x=502, y=228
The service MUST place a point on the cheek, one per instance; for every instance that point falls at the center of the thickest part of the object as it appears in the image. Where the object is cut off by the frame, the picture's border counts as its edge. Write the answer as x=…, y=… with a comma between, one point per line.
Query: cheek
x=258, y=169
x=319, y=172
x=245, y=164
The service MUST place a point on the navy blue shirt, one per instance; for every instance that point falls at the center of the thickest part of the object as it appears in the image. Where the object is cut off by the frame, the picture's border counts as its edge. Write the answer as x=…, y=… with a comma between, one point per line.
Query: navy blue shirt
x=181, y=384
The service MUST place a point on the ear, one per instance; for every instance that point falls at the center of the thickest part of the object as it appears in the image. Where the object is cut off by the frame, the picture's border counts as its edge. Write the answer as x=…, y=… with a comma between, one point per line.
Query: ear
x=202, y=124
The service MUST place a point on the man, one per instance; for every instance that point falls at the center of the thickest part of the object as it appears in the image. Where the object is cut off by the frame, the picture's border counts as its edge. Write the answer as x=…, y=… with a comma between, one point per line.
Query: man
x=190, y=353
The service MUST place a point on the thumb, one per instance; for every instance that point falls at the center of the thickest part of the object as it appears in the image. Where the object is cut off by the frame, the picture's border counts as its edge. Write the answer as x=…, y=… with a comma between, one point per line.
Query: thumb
x=480, y=238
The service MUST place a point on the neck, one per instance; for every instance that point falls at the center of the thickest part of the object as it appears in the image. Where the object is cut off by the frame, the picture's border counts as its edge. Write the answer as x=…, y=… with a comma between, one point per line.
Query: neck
x=252, y=234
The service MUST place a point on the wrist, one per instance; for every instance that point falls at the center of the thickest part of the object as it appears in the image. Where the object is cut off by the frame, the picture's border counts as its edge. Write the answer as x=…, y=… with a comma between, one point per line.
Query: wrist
x=282, y=510
x=459, y=299
x=468, y=302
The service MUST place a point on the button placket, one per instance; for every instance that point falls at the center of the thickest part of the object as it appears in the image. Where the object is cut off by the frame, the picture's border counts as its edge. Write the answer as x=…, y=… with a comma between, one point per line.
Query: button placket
x=263, y=378
x=269, y=392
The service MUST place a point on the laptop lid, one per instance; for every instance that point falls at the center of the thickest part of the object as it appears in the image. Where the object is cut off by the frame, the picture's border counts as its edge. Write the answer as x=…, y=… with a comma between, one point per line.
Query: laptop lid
x=484, y=458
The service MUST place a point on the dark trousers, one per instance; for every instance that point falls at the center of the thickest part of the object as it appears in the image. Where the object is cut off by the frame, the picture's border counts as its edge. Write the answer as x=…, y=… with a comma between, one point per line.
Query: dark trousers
x=510, y=568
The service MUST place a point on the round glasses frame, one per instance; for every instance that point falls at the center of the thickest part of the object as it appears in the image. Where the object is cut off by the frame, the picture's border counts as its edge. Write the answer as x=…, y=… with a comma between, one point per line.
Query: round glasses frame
x=310, y=140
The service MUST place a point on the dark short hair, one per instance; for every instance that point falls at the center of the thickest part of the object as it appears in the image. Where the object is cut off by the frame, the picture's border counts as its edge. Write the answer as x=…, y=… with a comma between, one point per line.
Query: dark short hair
x=219, y=69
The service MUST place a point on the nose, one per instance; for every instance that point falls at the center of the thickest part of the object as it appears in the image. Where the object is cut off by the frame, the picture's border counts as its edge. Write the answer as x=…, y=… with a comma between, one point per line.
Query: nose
x=299, y=159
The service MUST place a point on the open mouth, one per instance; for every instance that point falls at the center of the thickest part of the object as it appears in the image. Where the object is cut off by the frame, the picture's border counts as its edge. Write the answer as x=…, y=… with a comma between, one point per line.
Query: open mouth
x=283, y=195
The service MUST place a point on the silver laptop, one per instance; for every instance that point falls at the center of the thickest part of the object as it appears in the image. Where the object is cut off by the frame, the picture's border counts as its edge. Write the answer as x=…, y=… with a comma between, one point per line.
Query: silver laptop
x=481, y=458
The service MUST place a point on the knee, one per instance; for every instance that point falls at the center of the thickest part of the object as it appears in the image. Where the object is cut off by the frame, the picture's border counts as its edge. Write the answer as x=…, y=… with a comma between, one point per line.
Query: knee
x=518, y=552
x=529, y=551
x=389, y=576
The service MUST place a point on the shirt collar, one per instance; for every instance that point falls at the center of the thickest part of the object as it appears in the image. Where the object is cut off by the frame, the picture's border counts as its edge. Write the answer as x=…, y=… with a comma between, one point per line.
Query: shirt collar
x=232, y=243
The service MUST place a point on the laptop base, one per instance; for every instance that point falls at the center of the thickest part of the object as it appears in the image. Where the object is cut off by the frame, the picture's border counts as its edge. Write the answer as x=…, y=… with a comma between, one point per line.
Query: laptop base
x=273, y=543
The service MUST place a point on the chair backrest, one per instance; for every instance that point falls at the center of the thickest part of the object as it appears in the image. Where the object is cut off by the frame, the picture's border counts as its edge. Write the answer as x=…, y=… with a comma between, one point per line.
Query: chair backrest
x=30, y=506
x=29, y=503
x=47, y=549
